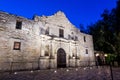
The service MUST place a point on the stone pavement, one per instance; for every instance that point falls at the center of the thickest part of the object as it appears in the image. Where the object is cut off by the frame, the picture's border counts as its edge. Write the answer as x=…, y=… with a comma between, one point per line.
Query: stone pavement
x=116, y=73
x=86, y=73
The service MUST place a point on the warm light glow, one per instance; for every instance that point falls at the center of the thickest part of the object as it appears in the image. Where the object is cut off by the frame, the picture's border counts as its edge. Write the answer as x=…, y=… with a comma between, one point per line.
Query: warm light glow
x=73, y=57
x=90, y=67
x=15, y=72
x=31, y=71
x=105, y=55
x=76, y=69
x=55, y=71
x=67, y=70
x=84, y=68
x=97, y=54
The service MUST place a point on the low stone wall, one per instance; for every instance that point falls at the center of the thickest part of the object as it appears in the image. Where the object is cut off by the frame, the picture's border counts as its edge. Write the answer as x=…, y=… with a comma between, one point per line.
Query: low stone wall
x=44, y=63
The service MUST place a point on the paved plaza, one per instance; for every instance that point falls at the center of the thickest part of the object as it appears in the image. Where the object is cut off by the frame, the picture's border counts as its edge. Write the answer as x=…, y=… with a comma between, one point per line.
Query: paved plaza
x=84, y=73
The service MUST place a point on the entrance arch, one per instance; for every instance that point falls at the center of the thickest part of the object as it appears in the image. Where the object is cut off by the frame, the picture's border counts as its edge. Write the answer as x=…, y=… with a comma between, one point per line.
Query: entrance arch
x=61, y=58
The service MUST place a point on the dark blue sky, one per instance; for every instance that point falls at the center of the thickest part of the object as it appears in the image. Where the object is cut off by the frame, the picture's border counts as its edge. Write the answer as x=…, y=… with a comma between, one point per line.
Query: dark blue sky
x=78, y=11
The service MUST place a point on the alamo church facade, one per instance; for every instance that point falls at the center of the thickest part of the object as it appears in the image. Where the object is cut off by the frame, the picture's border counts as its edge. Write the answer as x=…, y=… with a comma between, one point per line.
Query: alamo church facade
x=44, y=42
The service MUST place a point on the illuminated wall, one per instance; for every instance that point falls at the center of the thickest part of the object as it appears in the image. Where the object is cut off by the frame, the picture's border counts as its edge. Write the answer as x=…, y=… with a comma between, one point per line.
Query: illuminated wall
x=38, y=41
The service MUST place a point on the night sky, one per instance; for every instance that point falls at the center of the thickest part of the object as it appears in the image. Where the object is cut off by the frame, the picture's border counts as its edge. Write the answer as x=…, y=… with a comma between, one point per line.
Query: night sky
x=78, y=11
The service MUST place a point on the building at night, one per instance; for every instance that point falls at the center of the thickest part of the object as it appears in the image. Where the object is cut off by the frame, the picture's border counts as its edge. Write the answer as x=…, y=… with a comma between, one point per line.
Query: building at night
x=44, y=42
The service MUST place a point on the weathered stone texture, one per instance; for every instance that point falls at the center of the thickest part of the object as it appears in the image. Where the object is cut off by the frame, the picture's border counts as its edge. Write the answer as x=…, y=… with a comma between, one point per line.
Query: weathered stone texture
x=39, y=49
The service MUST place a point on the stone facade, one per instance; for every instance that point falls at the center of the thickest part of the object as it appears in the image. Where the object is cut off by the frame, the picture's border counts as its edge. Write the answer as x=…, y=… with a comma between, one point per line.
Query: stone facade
x=41, y=40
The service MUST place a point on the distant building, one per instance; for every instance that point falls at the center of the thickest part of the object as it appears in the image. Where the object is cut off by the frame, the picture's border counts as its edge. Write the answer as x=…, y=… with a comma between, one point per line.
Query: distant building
x=44, y=42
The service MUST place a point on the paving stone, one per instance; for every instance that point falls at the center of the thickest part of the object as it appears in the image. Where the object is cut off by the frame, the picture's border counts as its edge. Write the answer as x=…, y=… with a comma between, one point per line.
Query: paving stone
x=64, y=74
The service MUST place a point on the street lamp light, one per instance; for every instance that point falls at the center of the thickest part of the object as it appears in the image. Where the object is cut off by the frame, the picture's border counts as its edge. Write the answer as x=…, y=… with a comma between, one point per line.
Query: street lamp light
x=73, y=57
x=97, y=55
x=105, y=55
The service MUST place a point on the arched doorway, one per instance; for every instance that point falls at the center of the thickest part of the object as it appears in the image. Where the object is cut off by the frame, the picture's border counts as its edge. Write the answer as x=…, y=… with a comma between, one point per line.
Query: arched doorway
x=61, y=58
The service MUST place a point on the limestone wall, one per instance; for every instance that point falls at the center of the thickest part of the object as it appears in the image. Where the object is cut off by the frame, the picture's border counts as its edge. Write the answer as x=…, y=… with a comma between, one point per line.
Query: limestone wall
x=59, y=21
x=38, y=49
x=28, y=36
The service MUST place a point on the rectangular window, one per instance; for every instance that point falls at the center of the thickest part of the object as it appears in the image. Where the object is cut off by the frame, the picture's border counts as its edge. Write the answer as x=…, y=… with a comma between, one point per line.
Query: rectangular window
x=76, y=38
x=69, y=37
x=61, y=33
x=17, y=45
x=47, y=31
x=72, y=38
x=46, y=53
x=18, y=24
x=86, y=51
x=84, y=39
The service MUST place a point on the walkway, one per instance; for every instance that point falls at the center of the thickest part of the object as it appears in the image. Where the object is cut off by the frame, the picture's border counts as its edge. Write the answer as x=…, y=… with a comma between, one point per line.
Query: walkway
x=88, y=73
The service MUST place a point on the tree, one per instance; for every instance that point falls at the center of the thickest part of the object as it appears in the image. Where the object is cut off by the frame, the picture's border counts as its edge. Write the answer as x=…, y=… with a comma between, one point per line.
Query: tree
x=106, y=32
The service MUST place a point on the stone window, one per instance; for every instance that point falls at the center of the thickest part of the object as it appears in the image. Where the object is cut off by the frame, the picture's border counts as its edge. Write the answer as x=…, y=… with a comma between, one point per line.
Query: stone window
x=17, y=45
x=72, y=38
x=18, y=24
x=46, y=53
x=86, y=51
x=69, y=37
x=42, y=31
x=61, y=33
x=72, y=35
x=84, y=39
x=47, y=31
x=76, y=38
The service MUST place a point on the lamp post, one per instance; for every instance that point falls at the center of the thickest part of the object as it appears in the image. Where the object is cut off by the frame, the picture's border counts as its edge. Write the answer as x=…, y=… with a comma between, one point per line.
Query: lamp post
x=96, y=58
x=111, y=73
x=111, y=69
